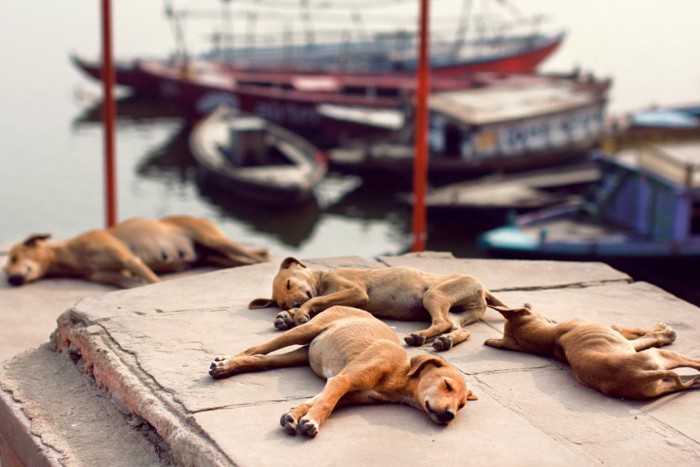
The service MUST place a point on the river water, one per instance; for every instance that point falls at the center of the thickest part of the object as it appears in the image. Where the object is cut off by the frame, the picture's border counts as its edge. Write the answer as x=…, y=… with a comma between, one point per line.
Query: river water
x=51, y=139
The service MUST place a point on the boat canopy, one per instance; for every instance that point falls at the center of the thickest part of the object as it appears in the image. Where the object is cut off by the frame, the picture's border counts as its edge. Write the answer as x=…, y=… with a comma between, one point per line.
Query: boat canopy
x=512, y=101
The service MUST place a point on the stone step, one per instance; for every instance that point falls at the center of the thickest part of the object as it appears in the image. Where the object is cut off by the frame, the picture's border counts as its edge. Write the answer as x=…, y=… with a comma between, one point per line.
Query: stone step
x=53, y=414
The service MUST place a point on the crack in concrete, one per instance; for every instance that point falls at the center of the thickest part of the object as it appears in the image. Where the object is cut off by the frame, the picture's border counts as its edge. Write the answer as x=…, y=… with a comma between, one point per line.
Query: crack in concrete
x=666, y=427
x=560, y=439
x=244, y=405
x=573, y=285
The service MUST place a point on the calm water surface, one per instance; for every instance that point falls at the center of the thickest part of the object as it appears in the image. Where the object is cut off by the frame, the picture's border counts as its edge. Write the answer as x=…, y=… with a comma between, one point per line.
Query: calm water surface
x=51, y=139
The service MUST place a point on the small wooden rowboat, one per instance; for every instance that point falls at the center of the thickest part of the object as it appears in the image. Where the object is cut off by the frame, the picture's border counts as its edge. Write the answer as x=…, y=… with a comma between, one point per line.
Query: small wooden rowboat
x=254, y=159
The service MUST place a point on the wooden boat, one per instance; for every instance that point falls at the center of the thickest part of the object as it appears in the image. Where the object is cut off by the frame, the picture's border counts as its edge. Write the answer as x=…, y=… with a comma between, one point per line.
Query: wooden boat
x=389, y=53
x=295, y=100
x=255, y=160
x=646, y=206
x=499, y=195
x=670, y=123
x=512, y=123
x=495, y=40
x=127, y=73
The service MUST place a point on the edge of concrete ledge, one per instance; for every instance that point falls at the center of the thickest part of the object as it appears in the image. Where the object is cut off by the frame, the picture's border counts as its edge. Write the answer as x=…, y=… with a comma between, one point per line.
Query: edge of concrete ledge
x=117, y=372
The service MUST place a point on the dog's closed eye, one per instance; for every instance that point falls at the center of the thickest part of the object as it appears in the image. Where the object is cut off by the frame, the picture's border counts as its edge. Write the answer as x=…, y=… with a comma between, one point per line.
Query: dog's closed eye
x=448, y=388
x=308, y=294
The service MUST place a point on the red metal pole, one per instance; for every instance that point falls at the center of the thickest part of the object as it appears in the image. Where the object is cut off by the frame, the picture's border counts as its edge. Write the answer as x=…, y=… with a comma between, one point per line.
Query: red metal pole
x=108, y=114
x=420, y=164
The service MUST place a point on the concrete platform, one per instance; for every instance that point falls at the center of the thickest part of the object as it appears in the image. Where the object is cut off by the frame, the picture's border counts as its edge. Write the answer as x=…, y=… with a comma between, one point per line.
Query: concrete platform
x=149, y=349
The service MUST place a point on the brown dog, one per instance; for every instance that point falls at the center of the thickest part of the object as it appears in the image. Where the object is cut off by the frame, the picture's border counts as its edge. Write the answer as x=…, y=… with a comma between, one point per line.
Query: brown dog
x=363, y=362
x=617, y=361
x=399, y=293
x=128, y=254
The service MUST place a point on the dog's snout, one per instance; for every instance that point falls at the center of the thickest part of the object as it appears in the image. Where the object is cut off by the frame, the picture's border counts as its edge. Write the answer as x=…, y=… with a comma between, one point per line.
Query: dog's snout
x=446, y=416
x=296, y=304
x=15, y=279
x=441, y=416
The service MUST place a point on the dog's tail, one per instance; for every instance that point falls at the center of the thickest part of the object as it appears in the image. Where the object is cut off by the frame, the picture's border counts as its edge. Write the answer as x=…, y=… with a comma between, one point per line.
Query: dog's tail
x=493, y=301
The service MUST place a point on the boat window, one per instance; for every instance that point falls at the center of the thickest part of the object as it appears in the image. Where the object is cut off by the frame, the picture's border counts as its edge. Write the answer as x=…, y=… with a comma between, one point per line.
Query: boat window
x=453, y=140
x=695, y=218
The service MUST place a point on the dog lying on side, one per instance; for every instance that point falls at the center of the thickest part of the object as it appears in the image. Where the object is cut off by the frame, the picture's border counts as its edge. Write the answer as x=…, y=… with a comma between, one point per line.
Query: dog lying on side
x=130, y=253
x=363, y=362
x=617, y=361
x=399, y=293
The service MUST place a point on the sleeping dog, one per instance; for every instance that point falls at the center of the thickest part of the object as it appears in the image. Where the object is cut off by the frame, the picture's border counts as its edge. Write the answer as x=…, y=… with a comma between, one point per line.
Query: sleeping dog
x=400, y=293
x=130, y=253
x=363, y=362
x=617, y=361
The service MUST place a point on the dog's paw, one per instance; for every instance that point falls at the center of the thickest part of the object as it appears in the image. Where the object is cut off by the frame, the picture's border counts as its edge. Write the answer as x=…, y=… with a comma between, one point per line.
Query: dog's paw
x=308, y=427
x=289, y=423
x=284, y=321
x=301, y=318
x=442, y=343
x=666, y=330
x=414, y=339
x=219, y=368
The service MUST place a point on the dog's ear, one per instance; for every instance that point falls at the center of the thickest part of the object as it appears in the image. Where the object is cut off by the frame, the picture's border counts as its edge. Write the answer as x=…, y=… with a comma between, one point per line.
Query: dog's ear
x=421, y=361
x=517, y=311
x=33, y=239
x=289, y=261
x=261, y=303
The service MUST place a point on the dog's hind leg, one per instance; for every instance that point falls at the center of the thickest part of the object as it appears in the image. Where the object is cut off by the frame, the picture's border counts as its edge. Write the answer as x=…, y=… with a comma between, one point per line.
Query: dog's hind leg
x=673, y=359
x=439, y=300
x=667, y=382
x=207, y=234
x=456, y=336
x=223, y=367
x=642, y=339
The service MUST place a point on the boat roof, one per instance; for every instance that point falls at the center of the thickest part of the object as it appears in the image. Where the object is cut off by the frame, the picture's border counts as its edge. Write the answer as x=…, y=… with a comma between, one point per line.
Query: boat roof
x=246, y=123
x=678, y=162
x=512, y=100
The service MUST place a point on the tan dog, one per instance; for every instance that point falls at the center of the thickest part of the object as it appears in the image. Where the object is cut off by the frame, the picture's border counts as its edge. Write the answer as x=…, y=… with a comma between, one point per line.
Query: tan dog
x=617, y=361
x=399, y=293
x=363, y=361
x=128, y=253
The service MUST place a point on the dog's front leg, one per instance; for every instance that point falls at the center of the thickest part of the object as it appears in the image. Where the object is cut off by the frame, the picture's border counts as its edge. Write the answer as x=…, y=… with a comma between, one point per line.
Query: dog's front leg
x=349, y=295
x=115, y=278
x=307, y=417
x=506, y=343
x=223, y=367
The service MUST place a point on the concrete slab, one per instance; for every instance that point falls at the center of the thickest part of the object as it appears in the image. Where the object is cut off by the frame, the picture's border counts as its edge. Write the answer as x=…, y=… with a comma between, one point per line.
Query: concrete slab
x=150, y=349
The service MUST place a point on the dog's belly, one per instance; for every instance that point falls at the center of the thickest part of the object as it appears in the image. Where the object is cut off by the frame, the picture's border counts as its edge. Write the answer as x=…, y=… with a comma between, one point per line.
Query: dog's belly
x=168, y=251
x=400, y=304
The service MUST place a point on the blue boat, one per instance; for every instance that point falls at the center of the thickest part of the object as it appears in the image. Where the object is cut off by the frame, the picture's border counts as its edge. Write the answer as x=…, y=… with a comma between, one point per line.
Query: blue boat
x=645, y=206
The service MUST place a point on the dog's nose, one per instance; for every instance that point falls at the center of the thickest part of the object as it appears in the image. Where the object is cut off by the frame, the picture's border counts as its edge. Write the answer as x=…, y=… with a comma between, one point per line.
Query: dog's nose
x=446, y=416
x=16, y=279
x=296, y=304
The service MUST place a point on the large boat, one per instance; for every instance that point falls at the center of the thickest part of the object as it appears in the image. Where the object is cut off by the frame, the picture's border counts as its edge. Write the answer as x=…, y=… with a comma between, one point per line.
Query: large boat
x=512, y=123
x=484, y=36
x=301, y=101
x=646, y=206
x=255, y=160
x=397, y=52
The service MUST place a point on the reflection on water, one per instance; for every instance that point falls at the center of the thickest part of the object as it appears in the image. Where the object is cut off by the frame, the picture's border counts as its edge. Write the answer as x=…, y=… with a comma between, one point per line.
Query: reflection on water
x=343, y=218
